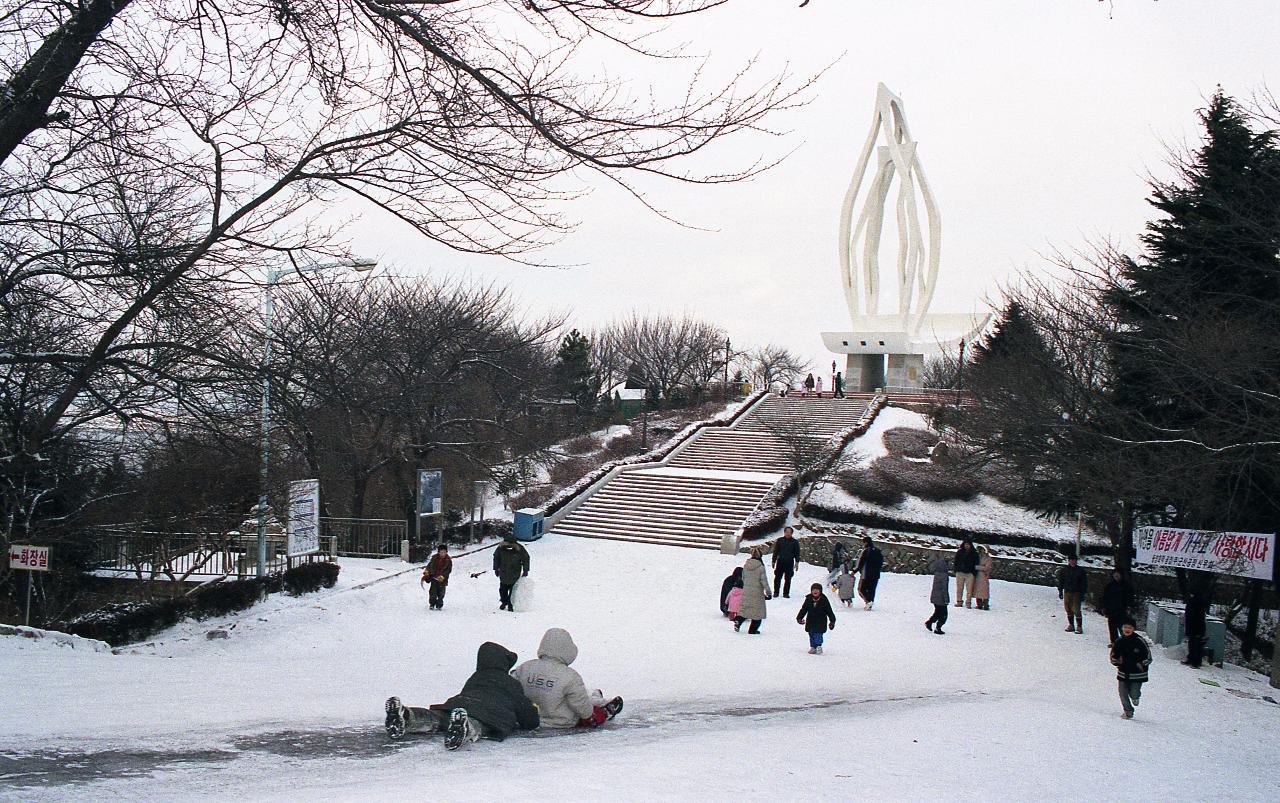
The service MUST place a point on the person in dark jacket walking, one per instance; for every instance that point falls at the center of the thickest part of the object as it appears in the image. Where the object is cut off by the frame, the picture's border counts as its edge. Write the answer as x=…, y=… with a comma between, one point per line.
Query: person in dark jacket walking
x=510, y=563
x=816, y=614
x=808, y=385
x=786, y=554
x=940, y=595
x=1197, y=629
x=1073, y=582
x=870, y=563
x=966, y=566
x=839, y=558
x=1117, y=604
x=1131, y=656
x=731, y=582
x=491, y=705
x=837, y=387
x=437, y=574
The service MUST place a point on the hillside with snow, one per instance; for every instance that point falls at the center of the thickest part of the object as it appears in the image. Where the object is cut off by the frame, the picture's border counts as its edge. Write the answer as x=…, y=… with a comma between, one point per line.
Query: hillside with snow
x=288, y=706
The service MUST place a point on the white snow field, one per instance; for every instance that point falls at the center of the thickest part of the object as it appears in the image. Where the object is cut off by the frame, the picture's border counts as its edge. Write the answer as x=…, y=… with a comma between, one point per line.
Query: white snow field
x=1005, y=706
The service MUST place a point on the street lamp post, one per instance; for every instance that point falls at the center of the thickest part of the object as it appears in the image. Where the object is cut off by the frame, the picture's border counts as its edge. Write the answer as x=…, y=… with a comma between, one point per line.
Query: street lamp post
x=273, y=277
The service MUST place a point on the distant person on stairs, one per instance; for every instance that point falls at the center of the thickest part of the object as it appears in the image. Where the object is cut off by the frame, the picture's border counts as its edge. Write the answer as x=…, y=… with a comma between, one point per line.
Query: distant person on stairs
x=755, y=591
x=817, y=385
x=838, y=387
x=940, y=595
x=1072, y=585
x=731, y=582
x=558, y=691
x=816, y=614
x=808, y=385
x=786, y=554
x=491, y=705
x=870, y=564
x=510, y=563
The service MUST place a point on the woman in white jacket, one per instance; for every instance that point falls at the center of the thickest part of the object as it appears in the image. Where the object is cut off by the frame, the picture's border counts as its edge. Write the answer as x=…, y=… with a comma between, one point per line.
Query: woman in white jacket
x=562, y=698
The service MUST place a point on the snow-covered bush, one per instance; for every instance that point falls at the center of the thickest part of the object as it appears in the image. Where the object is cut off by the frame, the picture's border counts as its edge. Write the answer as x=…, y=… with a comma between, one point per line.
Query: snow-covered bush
x=307, y=577
x=872, y=486
x=909, y=442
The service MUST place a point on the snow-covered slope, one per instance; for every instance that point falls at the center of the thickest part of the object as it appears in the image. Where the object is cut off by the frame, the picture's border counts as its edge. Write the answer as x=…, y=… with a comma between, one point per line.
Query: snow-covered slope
x=982, y=514
x=1005, y=706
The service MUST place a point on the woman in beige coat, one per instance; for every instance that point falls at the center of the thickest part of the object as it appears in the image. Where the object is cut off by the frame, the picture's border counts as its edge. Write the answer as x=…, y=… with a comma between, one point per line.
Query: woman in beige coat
x=755, y=590
x=982, y=580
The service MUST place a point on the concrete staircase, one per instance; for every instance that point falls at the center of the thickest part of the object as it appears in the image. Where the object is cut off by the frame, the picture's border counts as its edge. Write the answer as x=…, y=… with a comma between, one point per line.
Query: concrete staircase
x=709, y=487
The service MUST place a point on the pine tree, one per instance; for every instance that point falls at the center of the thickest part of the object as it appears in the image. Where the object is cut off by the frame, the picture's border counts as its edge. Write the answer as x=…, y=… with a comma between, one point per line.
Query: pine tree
x=1197, y=350
x=574, y=374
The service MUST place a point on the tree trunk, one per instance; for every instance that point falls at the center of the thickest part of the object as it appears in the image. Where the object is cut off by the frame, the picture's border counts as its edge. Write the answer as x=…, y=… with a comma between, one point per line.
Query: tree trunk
x=1124, y=542
x=1251, y=627
x=26, y=98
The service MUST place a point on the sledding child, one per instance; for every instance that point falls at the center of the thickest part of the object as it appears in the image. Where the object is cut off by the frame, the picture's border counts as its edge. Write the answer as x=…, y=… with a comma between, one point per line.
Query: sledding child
x=816, y=615
x=845, y=586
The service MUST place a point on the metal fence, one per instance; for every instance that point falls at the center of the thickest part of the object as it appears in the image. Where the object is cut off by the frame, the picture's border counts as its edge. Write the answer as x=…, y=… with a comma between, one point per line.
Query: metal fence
x=364, y=537
x=179, y=556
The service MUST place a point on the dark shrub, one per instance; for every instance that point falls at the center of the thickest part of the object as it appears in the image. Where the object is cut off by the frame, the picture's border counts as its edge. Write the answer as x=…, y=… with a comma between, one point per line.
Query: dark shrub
x=909, y=442
x=937, y=483
x=125, y=622
x=622, y=446
x=871, y=486
x=307, y=577
x=533, y=497
x=226, y=597
x=583, y=444
x=570, y=471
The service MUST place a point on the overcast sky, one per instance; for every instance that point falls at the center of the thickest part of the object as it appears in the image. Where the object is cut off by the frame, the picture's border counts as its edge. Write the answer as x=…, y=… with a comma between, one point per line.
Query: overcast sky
x=1038, y=122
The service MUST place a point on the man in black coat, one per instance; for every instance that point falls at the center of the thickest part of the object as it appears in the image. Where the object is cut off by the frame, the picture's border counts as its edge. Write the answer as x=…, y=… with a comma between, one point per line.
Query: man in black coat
x=1197, y=628
x=491, y=705
x=870, y=563
x=786, y=554
x=510, y=563
x=1073, y=582
x=1131, y=657
x=1117, y=604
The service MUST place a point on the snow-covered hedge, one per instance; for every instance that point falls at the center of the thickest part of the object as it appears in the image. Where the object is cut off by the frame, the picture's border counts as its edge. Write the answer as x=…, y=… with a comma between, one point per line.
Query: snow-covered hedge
x=723, y=419
x=56, y=639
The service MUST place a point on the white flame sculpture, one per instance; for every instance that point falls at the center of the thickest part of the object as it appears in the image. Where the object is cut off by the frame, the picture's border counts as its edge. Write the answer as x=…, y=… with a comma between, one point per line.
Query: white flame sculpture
x=912, y=331
x=860, y=234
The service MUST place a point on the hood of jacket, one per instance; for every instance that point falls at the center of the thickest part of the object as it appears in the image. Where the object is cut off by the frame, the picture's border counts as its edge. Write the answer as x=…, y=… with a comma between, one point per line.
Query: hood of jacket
x=495, y=656
x=558, y=645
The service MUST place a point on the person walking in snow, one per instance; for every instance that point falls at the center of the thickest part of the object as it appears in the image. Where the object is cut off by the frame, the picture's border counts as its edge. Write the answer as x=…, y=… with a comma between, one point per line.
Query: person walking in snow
x=1073, y=582
x=437, y=574
x=734, y=580
x=870, y=563
x=1131, y=656
x=786, y=554
x=845, y=585
x=966, y=566
x=808, y=385
x=837, y=386
x=558, y=691
x=755, y=591
x=839, y=560
x=735, y=602
x=816, y=614
x=1117, y=604
x=510, y=563
x=940, y=595
x=982, y=579
x=491, y=705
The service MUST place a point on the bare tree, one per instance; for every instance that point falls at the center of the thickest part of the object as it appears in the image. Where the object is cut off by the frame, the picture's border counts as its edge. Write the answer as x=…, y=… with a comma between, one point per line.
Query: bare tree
x=668, y=355
x=773, y=363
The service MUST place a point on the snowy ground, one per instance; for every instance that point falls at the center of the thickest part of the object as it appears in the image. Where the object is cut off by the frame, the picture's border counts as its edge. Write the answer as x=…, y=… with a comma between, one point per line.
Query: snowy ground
x=981, y=514
x=1005, y=706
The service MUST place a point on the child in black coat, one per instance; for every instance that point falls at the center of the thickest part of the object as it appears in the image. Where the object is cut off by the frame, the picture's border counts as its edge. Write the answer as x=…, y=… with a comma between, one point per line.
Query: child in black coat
x=816, y=614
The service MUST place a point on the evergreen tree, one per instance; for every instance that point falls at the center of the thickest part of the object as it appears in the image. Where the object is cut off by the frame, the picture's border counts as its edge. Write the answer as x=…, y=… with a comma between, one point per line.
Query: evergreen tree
x=1197, y=349
x=574, y=374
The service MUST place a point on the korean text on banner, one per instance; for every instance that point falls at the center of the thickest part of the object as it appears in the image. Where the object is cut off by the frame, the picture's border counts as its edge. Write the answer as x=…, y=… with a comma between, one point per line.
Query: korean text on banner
x=1239, y=554
x=304, y=517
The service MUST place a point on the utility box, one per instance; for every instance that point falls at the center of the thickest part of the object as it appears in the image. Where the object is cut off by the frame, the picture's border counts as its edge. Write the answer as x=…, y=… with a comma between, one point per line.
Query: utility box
x=528, y=524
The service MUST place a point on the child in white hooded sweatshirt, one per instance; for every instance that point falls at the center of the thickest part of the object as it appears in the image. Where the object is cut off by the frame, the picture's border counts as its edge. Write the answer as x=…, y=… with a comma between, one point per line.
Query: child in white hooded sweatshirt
x=558, y=691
